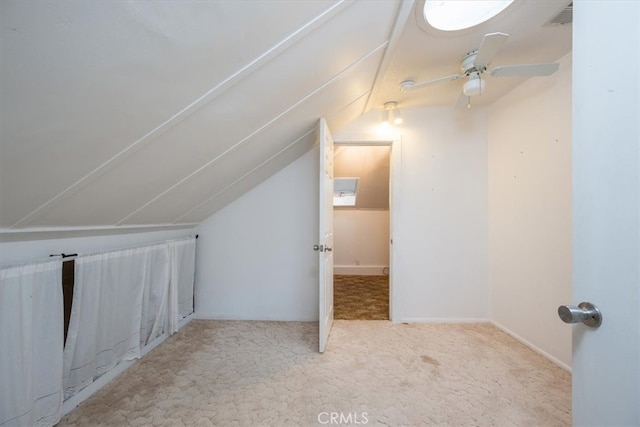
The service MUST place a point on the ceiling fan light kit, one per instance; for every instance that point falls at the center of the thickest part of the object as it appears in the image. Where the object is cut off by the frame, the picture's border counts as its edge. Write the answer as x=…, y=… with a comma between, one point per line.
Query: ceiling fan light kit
x=474, y=86
x=475, y=63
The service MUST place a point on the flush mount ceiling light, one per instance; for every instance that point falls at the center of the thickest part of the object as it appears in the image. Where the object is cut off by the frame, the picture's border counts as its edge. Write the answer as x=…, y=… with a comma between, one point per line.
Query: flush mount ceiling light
x=391, y=113
x=454, y=15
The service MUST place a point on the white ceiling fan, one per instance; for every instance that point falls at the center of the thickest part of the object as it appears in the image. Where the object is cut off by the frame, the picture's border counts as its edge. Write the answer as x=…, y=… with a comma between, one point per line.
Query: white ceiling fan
x=475, y=63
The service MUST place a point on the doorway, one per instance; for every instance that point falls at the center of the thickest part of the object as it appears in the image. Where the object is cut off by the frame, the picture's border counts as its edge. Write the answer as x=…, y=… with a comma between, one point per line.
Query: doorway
x=362, y=230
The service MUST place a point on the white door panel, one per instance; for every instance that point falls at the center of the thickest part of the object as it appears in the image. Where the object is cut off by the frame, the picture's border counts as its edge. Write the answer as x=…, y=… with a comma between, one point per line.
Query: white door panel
x=325, y=245
x=606, y=212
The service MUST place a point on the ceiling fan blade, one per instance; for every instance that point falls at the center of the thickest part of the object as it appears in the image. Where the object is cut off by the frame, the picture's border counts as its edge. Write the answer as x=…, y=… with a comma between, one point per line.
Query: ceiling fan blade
x=410, y=84
x=525, y=70
x=491, y=44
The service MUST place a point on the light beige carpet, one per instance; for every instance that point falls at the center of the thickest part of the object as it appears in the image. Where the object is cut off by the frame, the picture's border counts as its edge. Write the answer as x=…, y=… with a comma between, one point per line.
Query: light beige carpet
x=224, y=373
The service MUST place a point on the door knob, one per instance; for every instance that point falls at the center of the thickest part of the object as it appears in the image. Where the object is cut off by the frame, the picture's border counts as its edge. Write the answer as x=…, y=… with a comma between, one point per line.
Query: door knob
x=585, y=312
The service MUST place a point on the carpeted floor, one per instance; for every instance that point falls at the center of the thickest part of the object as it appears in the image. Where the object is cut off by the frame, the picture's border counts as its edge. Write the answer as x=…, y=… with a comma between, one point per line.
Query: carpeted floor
x=361, y=297
x=226, y=373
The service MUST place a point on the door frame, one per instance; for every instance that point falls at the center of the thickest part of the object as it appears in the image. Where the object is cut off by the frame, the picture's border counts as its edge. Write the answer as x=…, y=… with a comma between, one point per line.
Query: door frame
x=395, y=164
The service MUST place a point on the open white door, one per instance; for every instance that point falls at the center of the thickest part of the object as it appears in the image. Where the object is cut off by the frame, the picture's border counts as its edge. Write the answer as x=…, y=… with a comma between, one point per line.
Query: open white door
x=606, y=212
x=325, y=242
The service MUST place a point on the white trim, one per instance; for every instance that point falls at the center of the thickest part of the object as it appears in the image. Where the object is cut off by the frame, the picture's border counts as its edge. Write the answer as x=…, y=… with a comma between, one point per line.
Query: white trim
x=532, y=346
x=360, y=270
x=443, y=320
x=497, y=325
x=395, y=173
x=398, y=27
x=75, y=400
x=250, y=318
x=43, y=233
x=366, y=139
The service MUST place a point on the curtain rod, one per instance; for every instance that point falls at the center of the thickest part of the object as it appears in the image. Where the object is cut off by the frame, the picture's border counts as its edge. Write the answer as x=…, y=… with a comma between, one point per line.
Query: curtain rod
x=63, y=255
x=144, y=245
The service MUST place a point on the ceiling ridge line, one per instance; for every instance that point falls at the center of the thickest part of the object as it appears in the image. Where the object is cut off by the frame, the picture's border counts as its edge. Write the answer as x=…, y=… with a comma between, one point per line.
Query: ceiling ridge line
x=398, y=27
x=202, y=100
x=207, y=200
x=235, y=146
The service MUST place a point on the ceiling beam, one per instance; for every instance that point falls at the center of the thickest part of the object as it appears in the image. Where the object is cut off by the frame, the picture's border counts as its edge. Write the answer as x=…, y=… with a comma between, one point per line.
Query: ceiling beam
x=404, y=11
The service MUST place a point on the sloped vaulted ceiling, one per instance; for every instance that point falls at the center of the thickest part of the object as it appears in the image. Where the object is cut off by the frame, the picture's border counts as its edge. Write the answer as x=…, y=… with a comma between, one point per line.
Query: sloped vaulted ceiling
x=159, y=113
x=141, y=113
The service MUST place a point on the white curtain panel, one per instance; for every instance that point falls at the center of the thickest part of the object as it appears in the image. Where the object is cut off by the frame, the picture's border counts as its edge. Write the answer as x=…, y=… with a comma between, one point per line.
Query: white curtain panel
x=182, y=273
x=122, y=301
x=31, y=342
x=156, y=293
x=106, y=315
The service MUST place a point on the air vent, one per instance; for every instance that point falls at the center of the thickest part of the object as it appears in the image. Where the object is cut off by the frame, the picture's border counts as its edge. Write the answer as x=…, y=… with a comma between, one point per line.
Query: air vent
x=564, y=17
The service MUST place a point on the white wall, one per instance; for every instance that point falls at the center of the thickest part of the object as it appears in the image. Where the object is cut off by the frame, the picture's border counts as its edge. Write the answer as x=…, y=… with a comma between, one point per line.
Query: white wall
x=29, y=250
x=360, y=241
x=530, y=211
x=255, y=259
x=441, y=241
x=255, y=256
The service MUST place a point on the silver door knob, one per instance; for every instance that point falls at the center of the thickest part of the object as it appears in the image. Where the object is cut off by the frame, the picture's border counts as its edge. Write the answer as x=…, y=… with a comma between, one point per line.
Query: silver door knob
x=585, y=312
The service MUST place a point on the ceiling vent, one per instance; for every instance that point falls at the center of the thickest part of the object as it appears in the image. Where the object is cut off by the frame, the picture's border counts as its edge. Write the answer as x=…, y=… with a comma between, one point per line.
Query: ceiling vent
x=564, y=17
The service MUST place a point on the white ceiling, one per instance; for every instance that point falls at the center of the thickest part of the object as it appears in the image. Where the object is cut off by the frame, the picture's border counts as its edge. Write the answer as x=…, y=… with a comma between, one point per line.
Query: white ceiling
x=422, y=55
x=145, y=113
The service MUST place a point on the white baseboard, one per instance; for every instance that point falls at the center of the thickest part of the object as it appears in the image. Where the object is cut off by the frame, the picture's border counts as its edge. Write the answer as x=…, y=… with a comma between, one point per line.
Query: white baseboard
x=360, y=270
x=533, y=347
x=497, y=325
x=217, y=316
x=443, y=320
x=71, y=403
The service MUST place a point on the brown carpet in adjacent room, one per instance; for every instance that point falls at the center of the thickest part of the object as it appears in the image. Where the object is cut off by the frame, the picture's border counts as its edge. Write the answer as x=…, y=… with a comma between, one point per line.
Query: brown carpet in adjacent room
x=241, y=373
x=361, y=297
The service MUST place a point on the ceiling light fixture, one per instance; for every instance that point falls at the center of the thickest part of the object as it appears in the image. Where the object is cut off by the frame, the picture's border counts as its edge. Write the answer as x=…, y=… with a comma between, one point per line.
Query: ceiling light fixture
x=474, y=86
x=392, y=114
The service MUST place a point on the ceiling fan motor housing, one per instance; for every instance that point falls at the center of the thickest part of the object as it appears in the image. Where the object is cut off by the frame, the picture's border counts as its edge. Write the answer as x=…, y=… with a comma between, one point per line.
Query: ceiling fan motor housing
x=468, y=65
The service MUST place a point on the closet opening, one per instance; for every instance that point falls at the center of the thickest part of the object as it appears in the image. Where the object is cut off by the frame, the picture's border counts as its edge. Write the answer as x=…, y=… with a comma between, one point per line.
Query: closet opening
x=361, y=226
